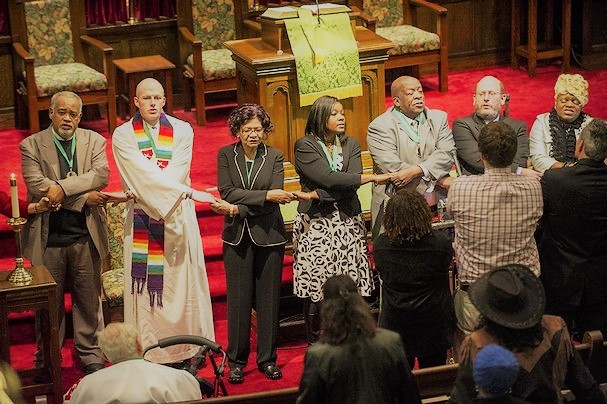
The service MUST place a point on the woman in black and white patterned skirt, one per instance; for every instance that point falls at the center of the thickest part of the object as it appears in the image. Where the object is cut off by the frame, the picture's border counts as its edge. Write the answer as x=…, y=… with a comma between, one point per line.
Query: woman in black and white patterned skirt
x=329, y=234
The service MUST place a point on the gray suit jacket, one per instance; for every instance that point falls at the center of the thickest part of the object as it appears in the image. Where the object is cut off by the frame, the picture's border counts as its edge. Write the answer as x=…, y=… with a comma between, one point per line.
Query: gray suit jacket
x=465, y=133
x=392, y=150
x=40, y=166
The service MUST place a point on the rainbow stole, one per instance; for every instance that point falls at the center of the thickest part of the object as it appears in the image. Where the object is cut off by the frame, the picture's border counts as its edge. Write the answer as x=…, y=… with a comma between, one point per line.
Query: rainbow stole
x=148, y=234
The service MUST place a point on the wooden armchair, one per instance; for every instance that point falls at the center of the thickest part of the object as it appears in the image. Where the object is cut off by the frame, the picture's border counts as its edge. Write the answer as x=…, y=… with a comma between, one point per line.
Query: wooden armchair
x=207, y=66
x=397, y=21
x=47, y=60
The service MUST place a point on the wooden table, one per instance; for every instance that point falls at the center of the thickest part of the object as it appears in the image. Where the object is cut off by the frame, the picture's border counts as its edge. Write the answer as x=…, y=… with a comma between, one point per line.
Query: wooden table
x=133, y=70
x=40, y=295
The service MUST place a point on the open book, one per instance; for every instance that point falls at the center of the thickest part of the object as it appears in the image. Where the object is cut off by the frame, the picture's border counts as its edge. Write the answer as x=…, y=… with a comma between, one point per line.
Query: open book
x=327, y=8
x=279, y=13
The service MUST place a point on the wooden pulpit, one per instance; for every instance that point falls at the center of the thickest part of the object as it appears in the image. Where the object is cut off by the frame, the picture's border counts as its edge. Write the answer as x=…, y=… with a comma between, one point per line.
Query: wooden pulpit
x=265, y=75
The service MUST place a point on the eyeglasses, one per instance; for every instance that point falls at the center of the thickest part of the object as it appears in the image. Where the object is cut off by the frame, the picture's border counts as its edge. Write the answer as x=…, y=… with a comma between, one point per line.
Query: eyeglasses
x=490, y=94
x=63, y=113
x=248, y=131
x=565, y=100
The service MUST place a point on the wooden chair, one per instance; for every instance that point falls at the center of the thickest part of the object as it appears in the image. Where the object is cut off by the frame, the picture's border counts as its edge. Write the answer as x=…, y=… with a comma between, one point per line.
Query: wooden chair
x=47, y=60
x=397, y=21
x=206, y=63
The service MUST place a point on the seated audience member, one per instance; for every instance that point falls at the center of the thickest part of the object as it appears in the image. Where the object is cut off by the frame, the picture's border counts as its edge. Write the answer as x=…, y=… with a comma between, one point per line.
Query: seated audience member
x=511, y=301
x=573, y=248
x=553, y=134
x=25, y=209
x=413, y=263
x=495, y=215
x=495, y=371
x=354, y=362
x=10, y=385
x=132, y=379
x=488, y=100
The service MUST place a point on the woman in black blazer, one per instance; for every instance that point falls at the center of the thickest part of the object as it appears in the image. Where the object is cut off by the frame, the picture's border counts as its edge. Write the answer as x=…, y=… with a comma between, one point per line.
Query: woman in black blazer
x=250, y=180
x=329, y=233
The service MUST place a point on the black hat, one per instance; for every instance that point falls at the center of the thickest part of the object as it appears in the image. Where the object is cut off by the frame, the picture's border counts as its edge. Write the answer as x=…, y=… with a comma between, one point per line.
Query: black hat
x=511, y=296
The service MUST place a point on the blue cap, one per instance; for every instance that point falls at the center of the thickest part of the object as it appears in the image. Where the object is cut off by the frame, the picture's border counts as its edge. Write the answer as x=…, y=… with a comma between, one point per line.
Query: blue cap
x=495, y=370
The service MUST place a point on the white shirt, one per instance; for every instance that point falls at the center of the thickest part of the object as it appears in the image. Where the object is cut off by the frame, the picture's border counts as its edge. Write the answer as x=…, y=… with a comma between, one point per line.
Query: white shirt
x=135, y=381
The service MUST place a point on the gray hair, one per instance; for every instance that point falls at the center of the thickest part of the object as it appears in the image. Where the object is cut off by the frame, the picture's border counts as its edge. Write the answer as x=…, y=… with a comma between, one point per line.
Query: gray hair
x=67, y=94
x=118, y=341
x=594, y=136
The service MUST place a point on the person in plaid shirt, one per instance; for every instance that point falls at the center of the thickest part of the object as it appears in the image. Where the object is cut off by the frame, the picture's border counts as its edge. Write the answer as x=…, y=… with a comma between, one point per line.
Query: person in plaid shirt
x=495, y=214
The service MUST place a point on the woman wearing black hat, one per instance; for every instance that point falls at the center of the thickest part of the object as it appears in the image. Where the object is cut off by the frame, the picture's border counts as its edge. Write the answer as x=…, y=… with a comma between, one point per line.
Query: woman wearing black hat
x=511, y=301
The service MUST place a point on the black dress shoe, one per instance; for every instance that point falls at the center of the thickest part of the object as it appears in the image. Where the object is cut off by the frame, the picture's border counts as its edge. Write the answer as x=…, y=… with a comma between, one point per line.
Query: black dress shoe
x=93, y=367
x=271, y=371
x=236, y=375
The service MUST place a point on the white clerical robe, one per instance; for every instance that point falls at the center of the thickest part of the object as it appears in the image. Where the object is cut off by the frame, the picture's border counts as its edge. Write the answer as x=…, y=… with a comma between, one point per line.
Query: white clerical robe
x=161, y=194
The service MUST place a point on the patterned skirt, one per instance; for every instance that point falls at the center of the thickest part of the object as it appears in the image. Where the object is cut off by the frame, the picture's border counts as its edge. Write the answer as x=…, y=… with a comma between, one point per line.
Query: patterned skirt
x=328, y=246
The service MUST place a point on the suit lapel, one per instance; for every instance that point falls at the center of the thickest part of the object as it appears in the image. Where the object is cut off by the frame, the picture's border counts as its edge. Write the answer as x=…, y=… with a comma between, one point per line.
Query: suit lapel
x=50, y=152
x=240, y=164
x=478, y=126
x=82, y=142
x=258, y=163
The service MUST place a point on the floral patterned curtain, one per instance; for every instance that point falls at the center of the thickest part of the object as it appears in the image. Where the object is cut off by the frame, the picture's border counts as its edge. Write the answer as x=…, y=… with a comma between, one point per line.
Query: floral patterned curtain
x=4, y=30
x=154, y=9
x=105, y=12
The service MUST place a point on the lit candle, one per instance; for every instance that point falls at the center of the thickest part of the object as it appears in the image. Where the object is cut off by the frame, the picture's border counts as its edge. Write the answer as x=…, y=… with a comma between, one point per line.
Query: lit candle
x=14, y=196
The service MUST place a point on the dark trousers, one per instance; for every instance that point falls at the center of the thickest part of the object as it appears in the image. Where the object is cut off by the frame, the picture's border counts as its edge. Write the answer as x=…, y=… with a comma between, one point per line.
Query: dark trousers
x=252, y=271
x=79, y=264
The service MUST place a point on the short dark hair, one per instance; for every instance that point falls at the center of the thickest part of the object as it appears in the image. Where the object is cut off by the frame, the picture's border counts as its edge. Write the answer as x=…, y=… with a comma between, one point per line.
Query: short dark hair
x=497, y=143
x=594, y=136
x=244, y=113
x=407, y=217
x=319, y=116
x=345, y=316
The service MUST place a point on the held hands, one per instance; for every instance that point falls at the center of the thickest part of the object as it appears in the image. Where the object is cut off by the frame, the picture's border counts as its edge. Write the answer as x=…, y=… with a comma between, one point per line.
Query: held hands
x=224, y=207
x=96, y=198
x=531, y=173
x=403, y=177
x=280, y=196
x=54, y=193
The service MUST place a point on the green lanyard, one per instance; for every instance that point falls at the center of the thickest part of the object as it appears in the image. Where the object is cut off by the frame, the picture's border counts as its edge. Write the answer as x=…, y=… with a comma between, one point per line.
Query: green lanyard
x=249, y=167
x=70, y=161
x=413, y=134
x=331, y=159
x=249, y=164
x=149, y=135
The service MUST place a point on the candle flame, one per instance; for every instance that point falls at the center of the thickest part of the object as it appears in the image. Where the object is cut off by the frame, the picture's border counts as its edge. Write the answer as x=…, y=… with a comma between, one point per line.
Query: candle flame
x=13, y=177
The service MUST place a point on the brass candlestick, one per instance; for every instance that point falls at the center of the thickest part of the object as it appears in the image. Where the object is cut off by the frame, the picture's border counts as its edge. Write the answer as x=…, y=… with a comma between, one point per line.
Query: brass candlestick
x=20, y=276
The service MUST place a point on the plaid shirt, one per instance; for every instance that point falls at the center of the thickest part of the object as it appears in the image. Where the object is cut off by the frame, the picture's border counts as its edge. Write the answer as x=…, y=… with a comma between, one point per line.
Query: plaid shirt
x=495, y=217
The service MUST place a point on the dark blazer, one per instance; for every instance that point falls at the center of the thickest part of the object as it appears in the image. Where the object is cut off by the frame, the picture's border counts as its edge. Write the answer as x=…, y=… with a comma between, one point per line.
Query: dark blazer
x=372, y=370
x=573, y=249
x=465, y=133
x=333, y=187
x=262, y=218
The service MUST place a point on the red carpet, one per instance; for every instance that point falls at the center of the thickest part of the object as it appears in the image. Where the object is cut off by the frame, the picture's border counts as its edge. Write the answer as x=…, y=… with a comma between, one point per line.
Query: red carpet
x=529, y=97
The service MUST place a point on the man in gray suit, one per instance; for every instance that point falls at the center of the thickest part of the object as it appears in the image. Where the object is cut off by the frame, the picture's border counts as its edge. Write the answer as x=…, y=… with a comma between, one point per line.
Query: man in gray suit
x=69, y=166
x=412, y=141
x=488, y=100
